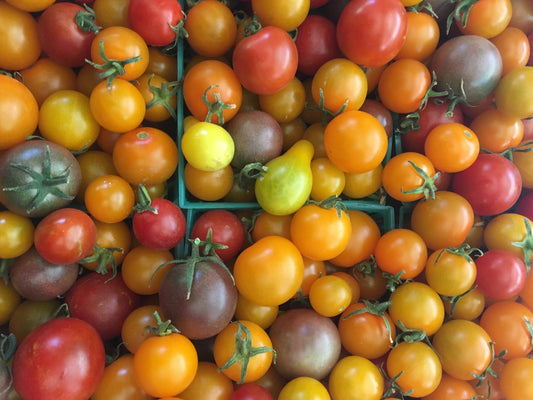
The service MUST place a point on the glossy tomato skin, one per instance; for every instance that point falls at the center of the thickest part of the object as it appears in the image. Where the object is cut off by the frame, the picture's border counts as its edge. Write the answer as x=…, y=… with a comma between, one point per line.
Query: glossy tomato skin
x=65, y=236
x=160, y=230
x=316, y=43
x=226, y=229
x=271, y=53
x=481, y=184
x=38, y=156
x=251, y=391
x=209, y=306
x=61, y=359
x=153, y=20
x=500, y=274
x=371, y=33
x=102, y=302
x=61, y=38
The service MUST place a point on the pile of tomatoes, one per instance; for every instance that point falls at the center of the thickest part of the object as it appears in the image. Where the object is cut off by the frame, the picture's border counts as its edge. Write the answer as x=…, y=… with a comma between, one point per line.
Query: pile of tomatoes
x=193, y=199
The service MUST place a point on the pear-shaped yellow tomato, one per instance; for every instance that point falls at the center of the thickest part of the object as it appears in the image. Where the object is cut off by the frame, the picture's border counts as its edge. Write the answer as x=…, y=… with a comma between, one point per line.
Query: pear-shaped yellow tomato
x=287, y=183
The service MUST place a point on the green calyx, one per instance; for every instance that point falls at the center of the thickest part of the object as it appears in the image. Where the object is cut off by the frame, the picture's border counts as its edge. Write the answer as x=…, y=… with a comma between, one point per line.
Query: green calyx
x=43, y=182
x=145, y=201
x=215, y=107
x=428, y=187
x=460, y=13
x=464, y=251
x=526, y=245
x=244, y=350
x=111, y=68
x=378, y=309
x=333, y=201
x=86, y=20
x=162, y=95
x=105, y=258
x=163, y=328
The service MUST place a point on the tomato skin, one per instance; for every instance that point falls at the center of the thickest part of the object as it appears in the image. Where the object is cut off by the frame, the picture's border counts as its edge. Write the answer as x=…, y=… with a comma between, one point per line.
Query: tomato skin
x=513, y=93
x=500, y=274
x=16, y=234
x=61, y=38
x=268, y=277
x=165, y=365
x=516, y=378
x=270, y=52
x=20, y=46
x=145, y=155
x=449, y=274
x=19, y=112
x=68, y=364
x=251, y=391
x=102, y=302
x=487, y=19
x=355, y=378
x=161, y=230
x=65, y=236
x=481, y=184
x=153, y=20
x=372, y=33
x=316, y=43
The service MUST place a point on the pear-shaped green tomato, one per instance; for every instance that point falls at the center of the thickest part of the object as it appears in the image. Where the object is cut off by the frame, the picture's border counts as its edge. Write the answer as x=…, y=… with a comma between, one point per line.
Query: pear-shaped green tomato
x=286, y=184
x=207, y=146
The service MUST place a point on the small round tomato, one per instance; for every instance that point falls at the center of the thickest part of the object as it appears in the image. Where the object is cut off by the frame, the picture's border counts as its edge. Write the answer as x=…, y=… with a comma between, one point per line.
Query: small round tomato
x=497, y=131
x=363, y=239
x=450, y=272
x=216, y=81
x=211, y=28
x=522, y=160
x=65, y=236
x=118, y=43
x=417, y=306
x=118, y=107
x=45, y=77
x=9, y=301
x=339, y=84
x=402, y=251
x=507, y=231
x=93, y=163
x=329, y=295
x=231, y=340
x=403, y=85
x=355, y=377
x=365, y=331
x=286, y=104
x=486, y=18
x=207, y=146
x=20, y=46
x=422, y=36
x=320, y=232
x=19, y=110
x=16, y=234
x=165, y=365
x=304, y=387
x=109, y=198
x=134, y=331
x=443, y=221
x=140, y=269
x=401, y=176
x=263, y=316
x=512, y=95
x=209, y=383
x=270, y=271
x=468, y=306
x=65, y=118
x=515, y=338
x=208, y=185
x=364, y=184
x=159, y=96
x=419, y=381
x=355, y=141
x=516, y=379
x=145, y=155
x=451, y=147
x=463, y=347
x=328, y=180
x=513, y=45
x=111, y=12
x=267, y=224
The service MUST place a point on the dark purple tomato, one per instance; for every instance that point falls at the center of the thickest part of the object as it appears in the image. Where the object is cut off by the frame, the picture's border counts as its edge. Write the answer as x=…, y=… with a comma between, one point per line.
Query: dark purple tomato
x=162, y=229
x=257, y=137
x=306, y=344
x=467, y=66
x=316, y=43
x=60, y=36
x=102, y=301
x=203, y=309
x=226, y=229
x=38, y=177
x=62, y=359
x=492, y=184
x=500, y=274
x=37, y=279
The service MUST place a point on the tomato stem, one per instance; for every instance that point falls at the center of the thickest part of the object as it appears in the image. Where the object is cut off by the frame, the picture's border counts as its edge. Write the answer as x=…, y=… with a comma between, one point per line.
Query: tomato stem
x=526, y=245
x=145, y=201
x=464, y=251
x=86, y=20
x=104, y=257
x=163, y=328
x=215, y=107
x=460, y=14
x=375, y=309
x=428, y=187
x=44, y=183
x=244, y=350
x=332, y=201
x=163, y=94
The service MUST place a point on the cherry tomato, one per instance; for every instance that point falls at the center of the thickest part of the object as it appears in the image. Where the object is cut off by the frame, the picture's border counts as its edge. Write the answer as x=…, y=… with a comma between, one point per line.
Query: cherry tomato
x=16, y=234
x=422, y=36
x=497, y=131
x=487, y=19
x=514, y=48
x=208, y=384
x=355, y=377
x=133, y=331
x=450, y=273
